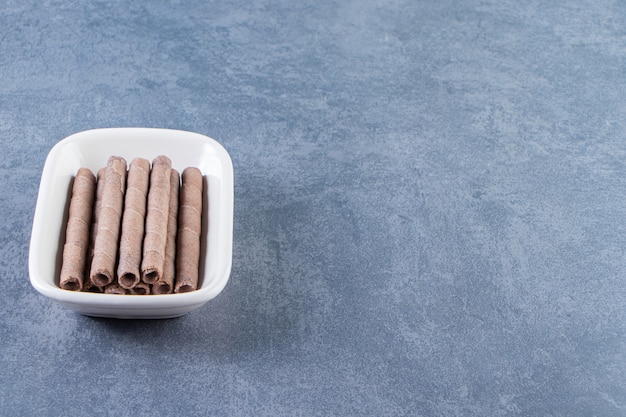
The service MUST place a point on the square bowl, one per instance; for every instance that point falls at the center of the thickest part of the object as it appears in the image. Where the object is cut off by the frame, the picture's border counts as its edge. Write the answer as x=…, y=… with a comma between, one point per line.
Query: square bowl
x=91, y=149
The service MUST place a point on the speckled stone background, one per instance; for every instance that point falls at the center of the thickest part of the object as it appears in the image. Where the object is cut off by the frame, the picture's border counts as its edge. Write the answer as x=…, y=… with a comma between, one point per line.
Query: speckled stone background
x=430, y=213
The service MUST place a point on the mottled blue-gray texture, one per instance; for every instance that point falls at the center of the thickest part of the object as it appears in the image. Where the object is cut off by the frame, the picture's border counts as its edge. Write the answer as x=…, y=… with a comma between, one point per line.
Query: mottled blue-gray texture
x=430, y=206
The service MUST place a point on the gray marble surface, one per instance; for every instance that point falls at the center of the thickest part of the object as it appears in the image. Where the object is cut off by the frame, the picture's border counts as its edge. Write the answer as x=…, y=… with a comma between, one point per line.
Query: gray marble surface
x=430, y=206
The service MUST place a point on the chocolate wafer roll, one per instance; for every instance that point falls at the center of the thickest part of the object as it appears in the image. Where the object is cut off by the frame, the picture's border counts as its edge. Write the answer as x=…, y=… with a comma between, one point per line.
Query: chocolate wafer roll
x=115, y=288
x=88, y=284
x=76, y=248
x=107, y=235
x=140, y=289
x=165, y=285
x=156, y=220
x=131, y=239
x=189, y=227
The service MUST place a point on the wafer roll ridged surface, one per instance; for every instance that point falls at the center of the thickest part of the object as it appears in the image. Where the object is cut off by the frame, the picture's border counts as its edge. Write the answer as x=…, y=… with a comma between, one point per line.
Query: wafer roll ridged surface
x=189, y=227
x=88, y=284
x=165, y=285
x=156, y=220
x=107, y=235
x=132, y=233
x=76, y=248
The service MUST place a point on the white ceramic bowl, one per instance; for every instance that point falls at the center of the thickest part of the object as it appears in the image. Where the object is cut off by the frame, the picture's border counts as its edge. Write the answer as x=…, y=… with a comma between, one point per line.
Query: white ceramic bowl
x=91, y=149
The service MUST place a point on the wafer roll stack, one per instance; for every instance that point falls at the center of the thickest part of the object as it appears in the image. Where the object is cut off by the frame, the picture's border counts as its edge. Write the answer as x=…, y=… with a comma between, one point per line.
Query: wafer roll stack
x=134, y=229
x=189, y=227
x=132, y=233
x=76, y=246
x=156, y=220
x=107, y=235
